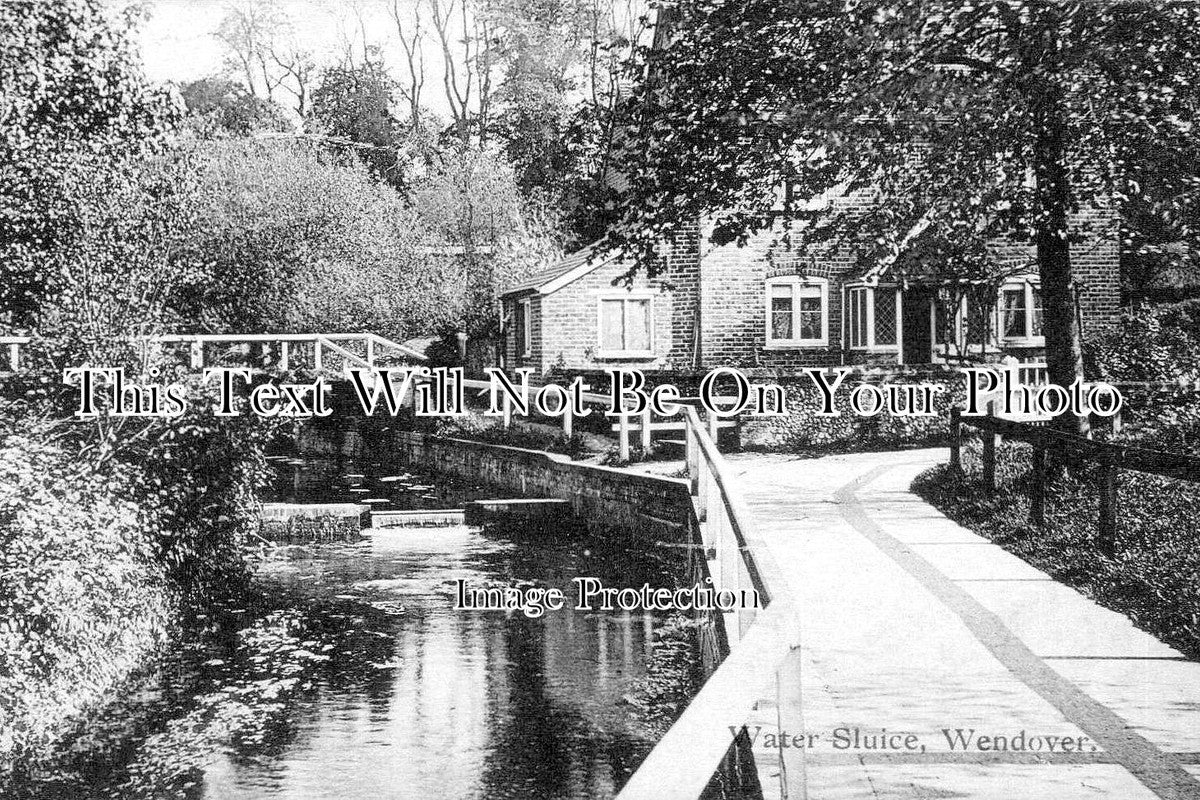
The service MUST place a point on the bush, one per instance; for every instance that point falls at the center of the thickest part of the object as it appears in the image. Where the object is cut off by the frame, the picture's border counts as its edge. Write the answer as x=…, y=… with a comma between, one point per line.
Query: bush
x=82, y=595
x=1152, y=343
x=801, y=429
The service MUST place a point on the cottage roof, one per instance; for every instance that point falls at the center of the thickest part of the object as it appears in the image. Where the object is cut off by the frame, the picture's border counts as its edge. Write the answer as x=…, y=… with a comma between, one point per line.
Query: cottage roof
x=563, y=272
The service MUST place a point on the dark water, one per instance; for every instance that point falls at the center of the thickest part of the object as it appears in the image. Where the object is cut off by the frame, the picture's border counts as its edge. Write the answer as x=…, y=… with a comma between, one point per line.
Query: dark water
x=352, y=676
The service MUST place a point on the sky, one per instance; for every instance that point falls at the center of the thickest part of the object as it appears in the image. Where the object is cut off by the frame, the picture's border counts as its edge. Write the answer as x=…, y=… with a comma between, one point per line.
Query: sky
x=179, y=40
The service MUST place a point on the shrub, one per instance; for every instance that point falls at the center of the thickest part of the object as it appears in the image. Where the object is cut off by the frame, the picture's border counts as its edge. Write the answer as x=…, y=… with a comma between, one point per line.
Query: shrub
x=82, y=595
x=802, y=429
x=1152, y=343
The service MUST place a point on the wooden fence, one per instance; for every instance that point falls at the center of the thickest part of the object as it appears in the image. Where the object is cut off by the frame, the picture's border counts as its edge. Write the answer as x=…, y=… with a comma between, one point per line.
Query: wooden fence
x=1111, y=458
x=763, y=643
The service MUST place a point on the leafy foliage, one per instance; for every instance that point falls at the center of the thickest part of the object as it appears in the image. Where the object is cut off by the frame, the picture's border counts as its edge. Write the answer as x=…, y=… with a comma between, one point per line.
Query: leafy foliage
x=71, y=96
x=297, y=238
x=81, y=593
x=217, y=106
x=354, y=103
x=954, y=122
x=1152, y=343
x=470, y=199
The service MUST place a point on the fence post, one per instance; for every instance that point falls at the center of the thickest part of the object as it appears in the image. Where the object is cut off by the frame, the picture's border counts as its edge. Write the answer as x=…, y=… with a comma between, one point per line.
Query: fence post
x=568, y=421
x=989, y=458
x=623, y=437
x=371, y=353
x=14, y=356
x=317, y=355
x=712, y=427
x=1108, y=507
x=283, y=356
x=646, y=420
x=691, y=449
x=197, y=355
x=1037, y=504
x=955, y=440
x=507, y=411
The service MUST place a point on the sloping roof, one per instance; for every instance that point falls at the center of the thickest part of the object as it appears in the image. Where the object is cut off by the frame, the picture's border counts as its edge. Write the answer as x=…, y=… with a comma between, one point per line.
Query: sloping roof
x=561, y=273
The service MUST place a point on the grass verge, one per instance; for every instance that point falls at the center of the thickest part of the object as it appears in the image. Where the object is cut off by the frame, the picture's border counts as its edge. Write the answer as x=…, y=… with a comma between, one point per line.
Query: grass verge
x=1152, y=578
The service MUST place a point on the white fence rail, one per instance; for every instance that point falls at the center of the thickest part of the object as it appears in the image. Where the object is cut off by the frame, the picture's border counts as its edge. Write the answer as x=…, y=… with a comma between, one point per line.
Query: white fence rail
x=336, y=352
x=13, y=345
x=763, y=660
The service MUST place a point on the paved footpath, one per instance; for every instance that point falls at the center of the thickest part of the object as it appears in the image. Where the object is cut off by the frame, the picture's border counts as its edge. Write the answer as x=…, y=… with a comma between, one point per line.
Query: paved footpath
x=914, y=625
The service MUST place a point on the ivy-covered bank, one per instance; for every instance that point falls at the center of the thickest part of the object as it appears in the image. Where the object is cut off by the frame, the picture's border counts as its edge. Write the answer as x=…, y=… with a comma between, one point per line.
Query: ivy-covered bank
x=802, y=429
x=104, y=548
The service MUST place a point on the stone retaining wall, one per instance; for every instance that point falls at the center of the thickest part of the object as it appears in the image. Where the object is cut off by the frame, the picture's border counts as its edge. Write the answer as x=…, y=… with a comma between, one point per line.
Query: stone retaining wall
x=609, y=497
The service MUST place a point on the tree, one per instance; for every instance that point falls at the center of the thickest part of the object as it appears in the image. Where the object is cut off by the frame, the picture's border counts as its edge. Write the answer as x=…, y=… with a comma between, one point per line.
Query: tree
x=71, y=94
x=1005, y=117
x=355, y=103
x=295, y=237
x=219, y=105
x=493, y=234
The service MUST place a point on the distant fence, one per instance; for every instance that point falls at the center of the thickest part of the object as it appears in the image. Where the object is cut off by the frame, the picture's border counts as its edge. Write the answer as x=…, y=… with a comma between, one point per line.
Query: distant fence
x=1111, y=458
x=270, y=352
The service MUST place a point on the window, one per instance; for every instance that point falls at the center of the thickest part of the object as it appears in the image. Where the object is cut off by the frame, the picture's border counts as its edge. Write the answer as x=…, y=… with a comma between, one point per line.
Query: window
x=523, y=329
x=625, y=325
x=797, y=312
x=1020, y=314
x=872, y=317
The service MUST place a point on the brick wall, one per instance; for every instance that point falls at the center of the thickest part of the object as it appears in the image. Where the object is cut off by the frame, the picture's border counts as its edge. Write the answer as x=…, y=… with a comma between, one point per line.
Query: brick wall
x=722, y=292
x=682, y=274
x=733, y=294
x=1096, y=264
x=734, y=304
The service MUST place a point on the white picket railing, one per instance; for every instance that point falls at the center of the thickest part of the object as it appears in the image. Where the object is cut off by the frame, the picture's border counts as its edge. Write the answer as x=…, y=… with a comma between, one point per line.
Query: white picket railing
x=277, y=351
x=763, y=659
x=280, y=350
x=14, y=344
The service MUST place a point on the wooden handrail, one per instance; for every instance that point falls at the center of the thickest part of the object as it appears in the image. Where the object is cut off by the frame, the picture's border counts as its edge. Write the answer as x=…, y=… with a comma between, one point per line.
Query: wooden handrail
x=1138, y=459
x=763, y=655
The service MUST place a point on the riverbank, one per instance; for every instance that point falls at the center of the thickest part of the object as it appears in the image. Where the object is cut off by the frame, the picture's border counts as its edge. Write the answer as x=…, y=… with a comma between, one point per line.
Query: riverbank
x=349, y=668
x=104, y=550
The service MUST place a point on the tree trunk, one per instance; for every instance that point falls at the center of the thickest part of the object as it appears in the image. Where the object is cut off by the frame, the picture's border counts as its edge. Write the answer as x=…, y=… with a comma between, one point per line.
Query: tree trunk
x=1064, y=354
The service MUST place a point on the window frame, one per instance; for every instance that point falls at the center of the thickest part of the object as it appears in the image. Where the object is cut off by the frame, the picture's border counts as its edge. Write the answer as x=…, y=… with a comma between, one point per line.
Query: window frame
x=632, y=295
x=525, y=306
x=1027, y=283
x=796, y=282
x=849, y=290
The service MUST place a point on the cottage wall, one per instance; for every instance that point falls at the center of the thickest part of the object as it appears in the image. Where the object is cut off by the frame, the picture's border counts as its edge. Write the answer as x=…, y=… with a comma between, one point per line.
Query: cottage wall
x=710, y=305
x=512, y=358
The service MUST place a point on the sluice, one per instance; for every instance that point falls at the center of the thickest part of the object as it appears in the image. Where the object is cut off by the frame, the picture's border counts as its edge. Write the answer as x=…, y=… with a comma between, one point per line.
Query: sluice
x=417, y=519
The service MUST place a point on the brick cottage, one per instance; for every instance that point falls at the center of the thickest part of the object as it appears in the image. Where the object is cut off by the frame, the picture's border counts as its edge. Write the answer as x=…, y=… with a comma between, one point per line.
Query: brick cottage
x=761, y=306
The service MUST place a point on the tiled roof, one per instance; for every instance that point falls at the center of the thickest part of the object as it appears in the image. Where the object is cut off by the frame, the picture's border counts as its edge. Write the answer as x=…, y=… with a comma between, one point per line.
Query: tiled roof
x=583, y=261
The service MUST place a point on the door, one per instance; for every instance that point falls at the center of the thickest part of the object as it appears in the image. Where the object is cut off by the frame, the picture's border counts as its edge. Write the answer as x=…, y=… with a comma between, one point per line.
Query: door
x=917, y=344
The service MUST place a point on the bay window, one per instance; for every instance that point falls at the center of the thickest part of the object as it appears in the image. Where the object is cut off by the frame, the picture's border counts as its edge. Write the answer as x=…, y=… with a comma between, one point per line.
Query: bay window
x=872, y=317
x=797, y=312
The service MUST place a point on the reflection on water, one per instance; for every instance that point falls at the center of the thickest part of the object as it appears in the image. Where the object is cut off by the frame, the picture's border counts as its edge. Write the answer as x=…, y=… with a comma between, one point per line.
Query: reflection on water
x=359, y=679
